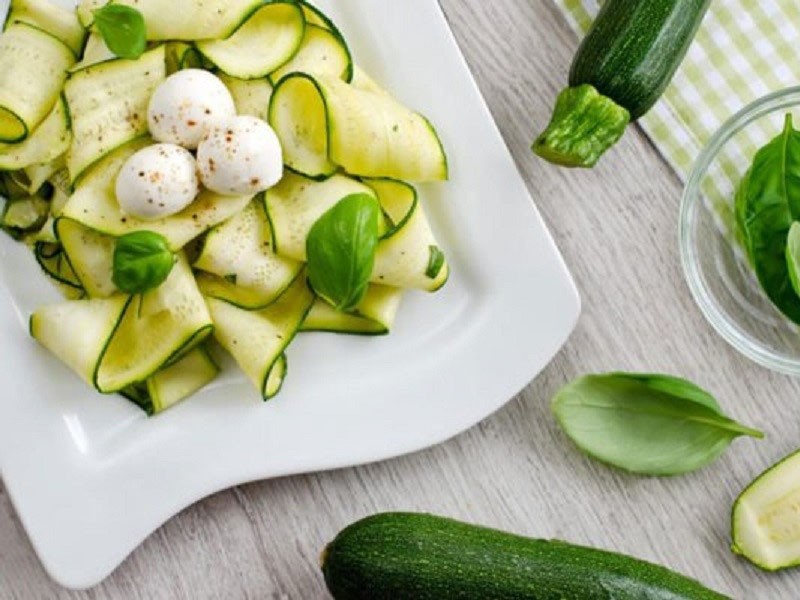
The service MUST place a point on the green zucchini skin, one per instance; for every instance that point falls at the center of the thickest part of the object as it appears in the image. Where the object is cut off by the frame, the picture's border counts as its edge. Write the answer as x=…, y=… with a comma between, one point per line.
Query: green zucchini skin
x=424, y=557
x=634, y=48
x=622, y=67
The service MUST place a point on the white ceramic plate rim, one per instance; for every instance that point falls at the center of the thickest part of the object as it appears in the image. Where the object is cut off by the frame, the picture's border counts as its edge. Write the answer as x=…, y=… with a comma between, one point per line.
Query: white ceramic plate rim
x=91, y=478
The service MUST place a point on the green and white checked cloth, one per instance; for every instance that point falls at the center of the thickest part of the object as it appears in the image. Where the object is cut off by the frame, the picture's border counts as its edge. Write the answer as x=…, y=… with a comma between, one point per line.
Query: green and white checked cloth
x=745, y=49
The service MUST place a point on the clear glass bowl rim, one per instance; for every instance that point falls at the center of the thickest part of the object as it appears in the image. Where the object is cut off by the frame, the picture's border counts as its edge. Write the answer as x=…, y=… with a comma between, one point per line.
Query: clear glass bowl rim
x=786, y=98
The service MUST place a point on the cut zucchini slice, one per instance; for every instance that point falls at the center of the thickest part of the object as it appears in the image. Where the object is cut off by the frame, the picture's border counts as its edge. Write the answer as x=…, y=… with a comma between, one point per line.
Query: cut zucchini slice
x=179, y=381
x=59, y=22
x=258, y=339
x=295, y=204
x=321, y=53
x=108, y=104
x=322, y=121
x=77, y=331
x=190, y=20
x=94, y=204
x=268, y=39
x=316, y=17
x=46, y=143
x=364, y=82
x=43, y=173
x=408, y=256
x=156, y=328
x=54, y=263
x=33, y=68
x=239, y=252
x=85, y=11
x=25, y=215
x=251, y=96
x=765, y=521
x=94, y=53
x=182, y=55
x=90, y=255
x=374, y=315
x=298, y=114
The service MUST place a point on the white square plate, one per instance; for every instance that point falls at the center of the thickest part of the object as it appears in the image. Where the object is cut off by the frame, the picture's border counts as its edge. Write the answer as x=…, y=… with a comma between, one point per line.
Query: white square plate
x=91, y=476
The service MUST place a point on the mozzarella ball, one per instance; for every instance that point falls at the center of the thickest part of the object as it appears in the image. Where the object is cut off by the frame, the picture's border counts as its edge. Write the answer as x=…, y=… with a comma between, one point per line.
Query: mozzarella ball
x=240, y=156
x=157, y=181
x=185, y=105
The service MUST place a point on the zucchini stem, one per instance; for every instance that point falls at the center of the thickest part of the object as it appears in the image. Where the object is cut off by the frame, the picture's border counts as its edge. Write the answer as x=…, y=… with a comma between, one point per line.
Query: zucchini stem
x=584, y=125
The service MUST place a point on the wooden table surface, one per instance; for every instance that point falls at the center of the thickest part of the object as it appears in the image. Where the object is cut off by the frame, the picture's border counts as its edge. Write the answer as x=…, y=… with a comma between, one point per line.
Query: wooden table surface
x=616, y=226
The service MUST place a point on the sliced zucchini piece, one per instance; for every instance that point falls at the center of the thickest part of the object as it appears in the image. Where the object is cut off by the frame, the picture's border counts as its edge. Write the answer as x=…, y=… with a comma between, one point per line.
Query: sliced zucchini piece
x=94, y=204
x=182, y=55
x=108, y=104
x=251, y=96
x=268, y=39
x=157, y=327
x=94, y=53
x=25, y=215
x=61, y=188
x=46, y=143
x=44, y=173
x=239, y=252
x=362, y=81
x=408, y=256
x=295, y=204
x=33, y=68
x=177, y=382
x=765, y=521
x=316, y=17
x=11, y=186
x=313, y=15
x=91, y=256
x=298, y=115
x=190, y=20
x=47, y=233
x=85, y=11
x=78, y=330
x=322, y=121
x=321, y=53
x=50, y=256
x=374, y=315
x=59, y=22
x=258, y=339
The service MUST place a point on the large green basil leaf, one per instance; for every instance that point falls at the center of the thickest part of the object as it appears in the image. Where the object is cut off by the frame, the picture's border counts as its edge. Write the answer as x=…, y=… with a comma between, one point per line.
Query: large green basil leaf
x=648, y=424
x=769, y=203
x=341, y=250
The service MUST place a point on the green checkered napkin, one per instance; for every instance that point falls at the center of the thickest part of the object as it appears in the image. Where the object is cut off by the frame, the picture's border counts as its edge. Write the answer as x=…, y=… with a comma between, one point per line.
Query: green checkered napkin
x=745, y=49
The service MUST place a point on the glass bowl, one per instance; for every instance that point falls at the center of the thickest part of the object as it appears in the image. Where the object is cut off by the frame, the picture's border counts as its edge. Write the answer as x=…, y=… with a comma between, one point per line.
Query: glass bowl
x=719, y=276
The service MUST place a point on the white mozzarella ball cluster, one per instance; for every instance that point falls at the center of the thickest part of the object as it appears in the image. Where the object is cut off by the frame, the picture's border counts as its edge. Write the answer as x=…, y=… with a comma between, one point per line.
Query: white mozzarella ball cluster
x=193, y=110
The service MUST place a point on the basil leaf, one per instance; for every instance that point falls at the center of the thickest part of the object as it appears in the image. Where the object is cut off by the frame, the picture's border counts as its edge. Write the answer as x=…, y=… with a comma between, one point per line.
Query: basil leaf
x=142, y=261
x=341, y=250
x=123, y=30
x=768, y=204
x=648, y=424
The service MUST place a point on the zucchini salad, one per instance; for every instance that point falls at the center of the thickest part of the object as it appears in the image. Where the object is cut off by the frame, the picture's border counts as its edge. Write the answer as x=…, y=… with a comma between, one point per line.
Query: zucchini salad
x=199, y=176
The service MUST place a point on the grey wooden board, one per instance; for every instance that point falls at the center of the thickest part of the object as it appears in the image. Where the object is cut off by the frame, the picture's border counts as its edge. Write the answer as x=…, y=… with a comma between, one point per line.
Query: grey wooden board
x=616, y=226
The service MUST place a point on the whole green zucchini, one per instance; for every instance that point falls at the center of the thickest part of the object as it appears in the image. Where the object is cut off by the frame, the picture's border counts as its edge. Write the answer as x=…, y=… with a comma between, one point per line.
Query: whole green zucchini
x=620, y=70
x=409, y=555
